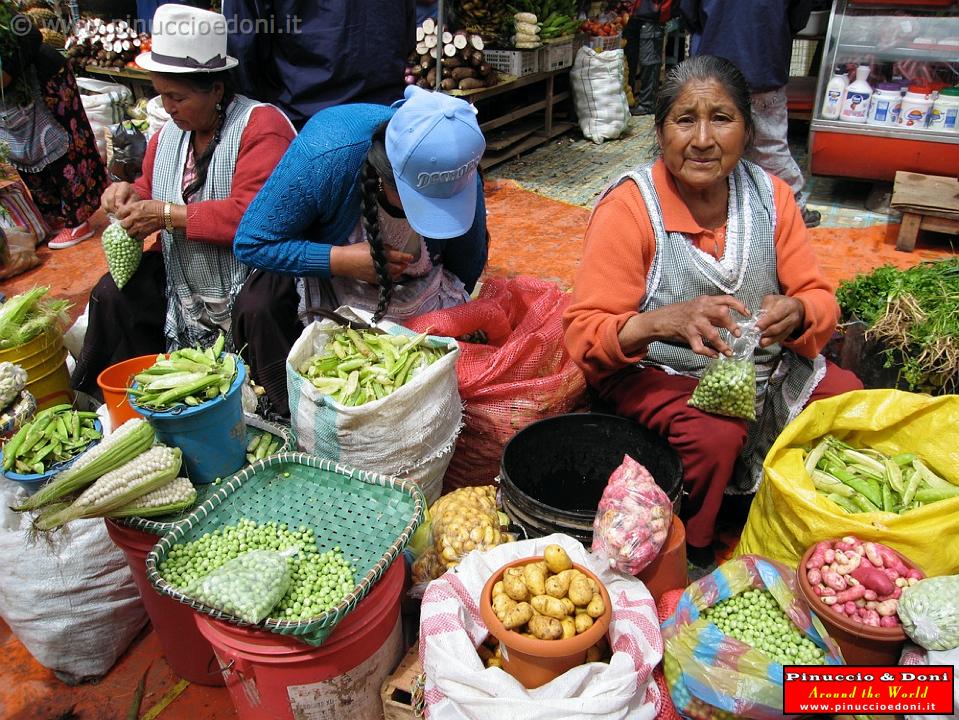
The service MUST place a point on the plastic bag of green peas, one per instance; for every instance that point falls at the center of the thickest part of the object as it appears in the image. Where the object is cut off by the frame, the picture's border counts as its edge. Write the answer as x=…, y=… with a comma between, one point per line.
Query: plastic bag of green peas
x=728, y=385
x=248, y=586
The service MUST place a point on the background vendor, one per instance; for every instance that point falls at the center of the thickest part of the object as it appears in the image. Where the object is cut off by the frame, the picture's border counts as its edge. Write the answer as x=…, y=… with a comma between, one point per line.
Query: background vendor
x=374, y=207
x=674, y=253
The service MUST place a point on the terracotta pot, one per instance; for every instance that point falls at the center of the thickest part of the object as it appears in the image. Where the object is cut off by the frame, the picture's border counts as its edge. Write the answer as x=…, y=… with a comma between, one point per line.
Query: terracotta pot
x=535, y=662
x=860, y=644
x=668, y=570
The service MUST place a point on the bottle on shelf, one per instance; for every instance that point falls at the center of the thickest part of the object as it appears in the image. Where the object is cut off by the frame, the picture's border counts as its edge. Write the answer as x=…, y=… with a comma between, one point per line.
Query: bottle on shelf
x=855, y=106
x=945, y=111
x=916, y=105
x=885, y=104
x=835, y=94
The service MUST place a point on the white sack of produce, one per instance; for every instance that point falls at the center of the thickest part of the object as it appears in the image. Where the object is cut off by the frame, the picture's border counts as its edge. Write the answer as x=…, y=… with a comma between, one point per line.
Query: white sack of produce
x=459, y=686
x=410, y=433
x=105, y=105
x=73, y=604
x=156, y=116
x=598, y=94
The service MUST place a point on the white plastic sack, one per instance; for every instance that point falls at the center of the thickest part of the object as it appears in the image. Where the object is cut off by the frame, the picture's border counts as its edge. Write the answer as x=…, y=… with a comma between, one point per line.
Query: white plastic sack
x=156, y=116
x=598, y=93
x=105, y=105
x=459, y=686
x=915, y=655
x=409, y=433
x=74, y=605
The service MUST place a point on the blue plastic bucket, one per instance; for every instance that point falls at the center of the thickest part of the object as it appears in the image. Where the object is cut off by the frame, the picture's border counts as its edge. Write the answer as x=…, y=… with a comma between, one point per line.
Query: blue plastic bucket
x=211, y=435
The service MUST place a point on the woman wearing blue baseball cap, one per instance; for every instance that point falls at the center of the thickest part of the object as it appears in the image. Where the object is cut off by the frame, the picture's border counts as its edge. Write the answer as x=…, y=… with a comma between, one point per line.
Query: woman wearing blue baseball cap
x=375, y=207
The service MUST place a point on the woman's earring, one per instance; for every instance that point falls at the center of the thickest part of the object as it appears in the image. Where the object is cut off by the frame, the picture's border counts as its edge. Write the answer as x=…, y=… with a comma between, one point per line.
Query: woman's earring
x=219, y=107
x=380, y=182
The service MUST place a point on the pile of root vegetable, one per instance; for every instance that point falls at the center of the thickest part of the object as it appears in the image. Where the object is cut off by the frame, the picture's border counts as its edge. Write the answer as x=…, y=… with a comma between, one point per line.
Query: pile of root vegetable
x=915, y=314
x=866, y=480
x=460, y=57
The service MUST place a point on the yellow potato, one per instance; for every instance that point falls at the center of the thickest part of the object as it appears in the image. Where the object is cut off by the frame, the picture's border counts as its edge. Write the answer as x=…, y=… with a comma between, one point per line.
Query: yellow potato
x=546, y=628
x=550, y=606
x=557, y=585
x=568, y=605
x=496, y=662
x=515, y=588
x=569, y=628
x=582, y=623
x=596, y=606
x=535, y=579
x=518, y=616
x=556, y=559
x=592, y=585
x=501, y=605
x=579, y=591
x=498, y=588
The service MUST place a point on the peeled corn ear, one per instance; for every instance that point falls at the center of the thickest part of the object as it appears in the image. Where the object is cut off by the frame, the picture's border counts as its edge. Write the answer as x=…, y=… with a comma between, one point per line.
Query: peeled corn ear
x=176, y=495
x=145, y=473
x=122, y=445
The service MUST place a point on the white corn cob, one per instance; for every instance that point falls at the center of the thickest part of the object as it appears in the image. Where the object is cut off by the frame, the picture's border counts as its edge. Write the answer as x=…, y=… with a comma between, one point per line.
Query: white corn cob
x=122, y=445
x=145, y=473
x=178, y=494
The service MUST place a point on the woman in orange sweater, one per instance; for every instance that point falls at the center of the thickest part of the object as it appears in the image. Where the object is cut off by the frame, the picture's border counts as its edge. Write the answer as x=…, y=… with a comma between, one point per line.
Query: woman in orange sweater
x=672, y=251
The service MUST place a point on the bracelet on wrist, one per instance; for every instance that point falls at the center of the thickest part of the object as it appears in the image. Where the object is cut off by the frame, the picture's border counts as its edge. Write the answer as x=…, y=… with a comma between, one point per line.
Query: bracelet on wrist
x=168, y=217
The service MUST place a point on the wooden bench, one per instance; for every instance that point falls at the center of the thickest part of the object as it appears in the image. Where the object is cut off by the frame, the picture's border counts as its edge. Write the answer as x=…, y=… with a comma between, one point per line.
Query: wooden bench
x=927, y=202
x=397, y=691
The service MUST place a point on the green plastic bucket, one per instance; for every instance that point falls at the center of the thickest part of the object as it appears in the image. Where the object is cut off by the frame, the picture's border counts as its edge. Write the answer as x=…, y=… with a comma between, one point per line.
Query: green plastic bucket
x=211, y=435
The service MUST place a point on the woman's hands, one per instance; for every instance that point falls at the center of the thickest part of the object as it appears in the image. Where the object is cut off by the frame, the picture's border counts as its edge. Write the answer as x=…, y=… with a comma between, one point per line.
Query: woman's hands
x=694, y=322
x=141, y=217
x=355, y=261
x=783, y=317
x=118, y=195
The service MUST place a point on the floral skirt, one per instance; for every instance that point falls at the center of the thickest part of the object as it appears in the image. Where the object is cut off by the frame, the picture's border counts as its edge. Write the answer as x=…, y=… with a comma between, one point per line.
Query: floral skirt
x=68, y=190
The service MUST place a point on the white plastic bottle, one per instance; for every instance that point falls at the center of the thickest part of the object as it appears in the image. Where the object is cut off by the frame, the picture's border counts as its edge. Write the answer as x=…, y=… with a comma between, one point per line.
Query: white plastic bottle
x=835, y=93
x=855, y=106
x=886, y=97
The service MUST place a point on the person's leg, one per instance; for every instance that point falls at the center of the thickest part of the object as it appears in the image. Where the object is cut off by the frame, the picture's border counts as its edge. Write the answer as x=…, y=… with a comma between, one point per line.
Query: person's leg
x=265, y=326
x=770, y=147
x=836, y=382
x=123, y=323
x=650, y=67
x=631, y=50
x=708, y=445
x=75, y=181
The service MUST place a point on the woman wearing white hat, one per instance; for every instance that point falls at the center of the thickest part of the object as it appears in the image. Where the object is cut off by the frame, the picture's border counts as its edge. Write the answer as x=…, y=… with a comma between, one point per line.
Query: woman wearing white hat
x=200, y=172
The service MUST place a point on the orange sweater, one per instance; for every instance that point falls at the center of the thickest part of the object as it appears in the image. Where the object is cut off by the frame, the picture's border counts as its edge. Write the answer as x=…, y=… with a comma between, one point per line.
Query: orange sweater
x=619, y=248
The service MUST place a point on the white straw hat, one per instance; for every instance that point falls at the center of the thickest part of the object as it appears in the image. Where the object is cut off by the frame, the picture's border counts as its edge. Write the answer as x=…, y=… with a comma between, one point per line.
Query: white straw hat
x=187, y=40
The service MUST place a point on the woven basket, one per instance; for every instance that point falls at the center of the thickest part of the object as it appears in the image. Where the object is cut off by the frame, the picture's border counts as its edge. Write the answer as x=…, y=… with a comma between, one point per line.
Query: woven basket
x=162, y=524
x=370, y=517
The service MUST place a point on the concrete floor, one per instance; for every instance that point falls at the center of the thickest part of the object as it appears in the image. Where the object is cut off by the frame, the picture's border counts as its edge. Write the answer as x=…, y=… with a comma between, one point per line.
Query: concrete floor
x=533, y=233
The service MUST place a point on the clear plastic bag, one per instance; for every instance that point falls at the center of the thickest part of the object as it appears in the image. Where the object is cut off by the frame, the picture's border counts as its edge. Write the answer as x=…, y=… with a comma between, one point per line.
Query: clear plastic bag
x=929, y=612
x=248, y=586
x=728, y=386
x=633, y=519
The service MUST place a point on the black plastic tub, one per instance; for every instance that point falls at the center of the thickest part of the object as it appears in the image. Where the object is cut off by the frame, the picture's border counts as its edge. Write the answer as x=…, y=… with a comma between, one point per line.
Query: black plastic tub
x=553, y=472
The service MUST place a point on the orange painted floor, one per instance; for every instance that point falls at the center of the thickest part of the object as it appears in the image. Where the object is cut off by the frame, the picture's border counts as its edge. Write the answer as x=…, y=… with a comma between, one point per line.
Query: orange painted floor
x=532, y=235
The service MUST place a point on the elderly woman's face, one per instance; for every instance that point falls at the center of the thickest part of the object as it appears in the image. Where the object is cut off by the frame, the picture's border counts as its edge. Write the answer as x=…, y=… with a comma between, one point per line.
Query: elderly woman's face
x=190, y=109
x=703, y=136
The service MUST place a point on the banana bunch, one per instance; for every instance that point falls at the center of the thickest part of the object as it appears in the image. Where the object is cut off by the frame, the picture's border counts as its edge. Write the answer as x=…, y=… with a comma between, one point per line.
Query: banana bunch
x=485, y=17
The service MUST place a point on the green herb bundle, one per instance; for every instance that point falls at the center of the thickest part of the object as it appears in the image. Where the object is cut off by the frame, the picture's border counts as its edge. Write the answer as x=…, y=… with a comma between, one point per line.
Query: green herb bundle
x=915, y=313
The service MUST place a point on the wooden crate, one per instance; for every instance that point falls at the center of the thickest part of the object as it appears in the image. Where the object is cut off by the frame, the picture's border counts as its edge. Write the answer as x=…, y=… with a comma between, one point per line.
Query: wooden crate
x=927, y=202
x=397, y=691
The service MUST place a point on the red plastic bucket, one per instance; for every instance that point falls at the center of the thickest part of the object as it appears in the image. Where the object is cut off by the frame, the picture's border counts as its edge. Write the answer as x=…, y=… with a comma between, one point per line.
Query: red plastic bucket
x=277, y=677
x=188, y=653
x=115, y=380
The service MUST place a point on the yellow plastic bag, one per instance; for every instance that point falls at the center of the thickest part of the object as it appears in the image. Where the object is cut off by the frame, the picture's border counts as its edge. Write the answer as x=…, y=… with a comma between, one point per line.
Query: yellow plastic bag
x=788, y=515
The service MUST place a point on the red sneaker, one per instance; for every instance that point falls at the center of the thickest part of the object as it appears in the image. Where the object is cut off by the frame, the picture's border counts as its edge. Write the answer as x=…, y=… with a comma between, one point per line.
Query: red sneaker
x=68, y=237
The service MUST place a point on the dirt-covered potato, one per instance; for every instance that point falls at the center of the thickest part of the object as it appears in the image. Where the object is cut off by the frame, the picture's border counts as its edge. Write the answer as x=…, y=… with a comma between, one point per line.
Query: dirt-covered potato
x=557, y=585
x=556, y=559
x=579, y=591
x=569, y=627
x=515, y=587
x=521, y=614
x=549, y=606
x=582, y=623
x=545, y=628
x=596, y=606
x=535, y=579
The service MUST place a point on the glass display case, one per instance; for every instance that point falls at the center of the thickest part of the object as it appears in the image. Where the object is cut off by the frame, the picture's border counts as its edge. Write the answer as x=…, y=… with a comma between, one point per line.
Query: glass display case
x=887, y=96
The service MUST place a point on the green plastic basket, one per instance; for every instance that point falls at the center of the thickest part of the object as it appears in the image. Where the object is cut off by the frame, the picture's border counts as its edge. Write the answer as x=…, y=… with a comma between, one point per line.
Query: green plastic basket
x=370, y=517
x=162, y=524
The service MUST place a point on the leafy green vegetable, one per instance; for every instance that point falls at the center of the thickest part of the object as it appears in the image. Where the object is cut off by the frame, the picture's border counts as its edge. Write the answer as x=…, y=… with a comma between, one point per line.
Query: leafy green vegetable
x=25, y=316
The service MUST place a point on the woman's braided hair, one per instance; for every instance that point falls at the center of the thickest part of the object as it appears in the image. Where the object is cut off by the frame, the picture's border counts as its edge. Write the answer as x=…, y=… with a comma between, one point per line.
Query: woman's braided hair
x=371, y=179
x=204, y=82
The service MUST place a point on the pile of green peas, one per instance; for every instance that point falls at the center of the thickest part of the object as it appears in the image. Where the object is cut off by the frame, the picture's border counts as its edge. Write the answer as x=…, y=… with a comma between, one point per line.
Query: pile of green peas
x=728, y=387
x=755, y=618
x=318, y=581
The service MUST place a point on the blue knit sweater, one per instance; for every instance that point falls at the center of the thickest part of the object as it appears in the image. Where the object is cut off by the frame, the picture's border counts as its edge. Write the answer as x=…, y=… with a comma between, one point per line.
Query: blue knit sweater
x=312, y=202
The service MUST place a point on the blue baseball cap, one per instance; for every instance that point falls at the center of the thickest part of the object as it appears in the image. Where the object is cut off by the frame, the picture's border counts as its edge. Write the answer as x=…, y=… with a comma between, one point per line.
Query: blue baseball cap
x=435, y=146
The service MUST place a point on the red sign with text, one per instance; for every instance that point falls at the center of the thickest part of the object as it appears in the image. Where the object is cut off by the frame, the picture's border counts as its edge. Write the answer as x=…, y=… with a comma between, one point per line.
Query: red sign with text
x=868, y=690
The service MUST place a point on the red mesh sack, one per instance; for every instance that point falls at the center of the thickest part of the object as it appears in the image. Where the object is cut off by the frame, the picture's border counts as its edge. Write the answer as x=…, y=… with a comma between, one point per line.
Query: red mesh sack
x=518, y=374
x=664, y=608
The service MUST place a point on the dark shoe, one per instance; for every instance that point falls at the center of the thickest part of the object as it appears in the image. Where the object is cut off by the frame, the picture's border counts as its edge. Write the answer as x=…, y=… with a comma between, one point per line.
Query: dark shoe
x=701, y=557
x=812, y=218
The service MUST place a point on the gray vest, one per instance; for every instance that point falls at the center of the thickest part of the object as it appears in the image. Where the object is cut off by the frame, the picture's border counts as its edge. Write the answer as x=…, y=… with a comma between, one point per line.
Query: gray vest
x=747, y=269
x=202, y=279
